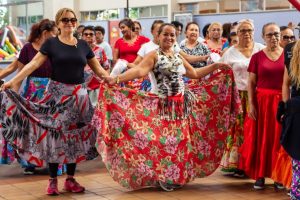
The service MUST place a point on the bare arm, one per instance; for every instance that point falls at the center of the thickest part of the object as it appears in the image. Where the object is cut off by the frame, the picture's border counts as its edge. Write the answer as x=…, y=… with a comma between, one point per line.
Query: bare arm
x=252, y=82
x=9, y=69
x=135, y=62
x=193, y=59
x=193, y=73
x=97, y=68
x=115, y=55
x=141, y=70
x=286, y=86
x=34, y=64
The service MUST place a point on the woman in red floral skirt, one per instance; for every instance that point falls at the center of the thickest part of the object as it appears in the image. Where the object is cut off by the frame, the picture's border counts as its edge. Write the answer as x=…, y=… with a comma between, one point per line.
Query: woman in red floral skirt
x=172, y=134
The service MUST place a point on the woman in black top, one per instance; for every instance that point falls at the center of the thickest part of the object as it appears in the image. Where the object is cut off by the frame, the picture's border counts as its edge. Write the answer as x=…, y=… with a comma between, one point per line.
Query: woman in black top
x=290, y=138
x=57, y=129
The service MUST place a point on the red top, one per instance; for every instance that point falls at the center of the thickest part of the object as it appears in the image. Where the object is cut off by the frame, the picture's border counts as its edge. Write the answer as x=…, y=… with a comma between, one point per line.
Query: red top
x=129, y=51
x=269, y=73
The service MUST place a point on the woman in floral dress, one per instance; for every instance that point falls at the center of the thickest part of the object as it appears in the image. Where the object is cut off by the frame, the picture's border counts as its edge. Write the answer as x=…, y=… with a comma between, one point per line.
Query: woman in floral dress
x=172, y=134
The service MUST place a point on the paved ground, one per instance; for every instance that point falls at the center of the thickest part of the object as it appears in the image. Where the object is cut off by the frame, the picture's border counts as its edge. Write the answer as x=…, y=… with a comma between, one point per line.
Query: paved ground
x=16, y=186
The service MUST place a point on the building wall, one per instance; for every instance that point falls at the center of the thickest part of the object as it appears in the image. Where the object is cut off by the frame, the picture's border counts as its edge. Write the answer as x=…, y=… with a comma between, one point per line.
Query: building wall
x=282, y=18
x=89, y=5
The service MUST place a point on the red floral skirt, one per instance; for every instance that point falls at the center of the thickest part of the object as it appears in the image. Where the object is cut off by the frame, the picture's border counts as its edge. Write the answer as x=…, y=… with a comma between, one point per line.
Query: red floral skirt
x=261, y=140
x=140, y=145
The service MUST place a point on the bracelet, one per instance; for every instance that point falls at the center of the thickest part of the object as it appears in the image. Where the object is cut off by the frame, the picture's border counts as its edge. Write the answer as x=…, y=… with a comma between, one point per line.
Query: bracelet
x=118, y=80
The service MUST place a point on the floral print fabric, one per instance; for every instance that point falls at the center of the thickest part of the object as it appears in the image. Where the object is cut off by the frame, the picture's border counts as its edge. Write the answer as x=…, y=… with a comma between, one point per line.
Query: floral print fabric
x=54, y=129
x=139, y=147
x=295, y=190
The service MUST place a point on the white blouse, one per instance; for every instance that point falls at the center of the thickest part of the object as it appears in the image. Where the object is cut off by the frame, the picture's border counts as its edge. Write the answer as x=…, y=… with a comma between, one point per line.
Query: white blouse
x=239, y=64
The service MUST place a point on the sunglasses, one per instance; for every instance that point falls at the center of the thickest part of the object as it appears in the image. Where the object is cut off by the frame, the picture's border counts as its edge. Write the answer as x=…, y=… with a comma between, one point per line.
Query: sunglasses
x=88, y=34
x=244, y=31
x=286, y=37
x=270, y=35
x=67, y=20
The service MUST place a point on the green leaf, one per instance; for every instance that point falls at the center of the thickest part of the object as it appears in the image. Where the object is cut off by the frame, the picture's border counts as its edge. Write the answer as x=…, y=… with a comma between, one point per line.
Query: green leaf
x=163, y=140
x=146, y=112
x=125, y=92
x=200, y=156
x=108, y=114
x=149, y=163
x=215, y=89
x=132, y=132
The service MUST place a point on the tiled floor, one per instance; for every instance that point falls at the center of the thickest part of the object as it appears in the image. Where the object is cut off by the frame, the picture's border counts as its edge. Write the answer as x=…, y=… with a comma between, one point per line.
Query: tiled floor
x=16, y=186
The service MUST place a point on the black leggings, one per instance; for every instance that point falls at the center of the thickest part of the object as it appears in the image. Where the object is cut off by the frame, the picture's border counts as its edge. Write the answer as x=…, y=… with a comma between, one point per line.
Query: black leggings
x=53, y=167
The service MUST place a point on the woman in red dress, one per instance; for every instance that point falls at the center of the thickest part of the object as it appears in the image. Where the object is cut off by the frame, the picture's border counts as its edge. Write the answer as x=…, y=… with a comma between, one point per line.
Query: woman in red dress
x=262, y=131
x=127, y=47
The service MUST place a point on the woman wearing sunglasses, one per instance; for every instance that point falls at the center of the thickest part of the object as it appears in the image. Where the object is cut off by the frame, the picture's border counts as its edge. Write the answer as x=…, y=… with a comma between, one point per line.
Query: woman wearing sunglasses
x=261, y=130
x=286, y=36
x=55, y=130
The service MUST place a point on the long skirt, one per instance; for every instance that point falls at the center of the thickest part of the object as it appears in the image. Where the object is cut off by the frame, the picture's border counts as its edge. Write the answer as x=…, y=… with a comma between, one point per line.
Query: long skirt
x=55, y=129
x=230, y=160
x=295, y=189
x=262, y=136
x=140, y=145
x=282, y=172
x=33, y=90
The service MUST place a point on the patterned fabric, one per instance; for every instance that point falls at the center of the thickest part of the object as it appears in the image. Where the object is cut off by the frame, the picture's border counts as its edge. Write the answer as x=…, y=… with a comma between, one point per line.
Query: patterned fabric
x=217, y=50
x=33, y=90
x=295, y=191
x=140, y=147
x=53, y=129
x=230, y=160
x=199, y=50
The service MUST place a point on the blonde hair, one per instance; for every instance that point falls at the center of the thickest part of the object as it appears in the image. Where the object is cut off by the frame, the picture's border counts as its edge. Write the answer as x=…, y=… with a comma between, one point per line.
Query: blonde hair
x=295, y=65
x=61, y=12
x=215, y=24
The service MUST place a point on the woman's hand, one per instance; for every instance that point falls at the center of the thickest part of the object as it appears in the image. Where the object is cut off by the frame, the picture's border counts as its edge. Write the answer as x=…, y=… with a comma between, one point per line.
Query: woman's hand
x=110, y=80
x=221, y=66
x=252, y=112
x=7, y=85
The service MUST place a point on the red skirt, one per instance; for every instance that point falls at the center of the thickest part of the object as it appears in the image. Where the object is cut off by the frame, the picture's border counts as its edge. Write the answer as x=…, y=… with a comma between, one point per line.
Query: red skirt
x=261, y=136
x=141, y=144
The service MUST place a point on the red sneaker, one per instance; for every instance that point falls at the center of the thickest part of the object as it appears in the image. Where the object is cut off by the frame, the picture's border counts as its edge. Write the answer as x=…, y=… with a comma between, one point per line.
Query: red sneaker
x=71, y=185
x=52, y=187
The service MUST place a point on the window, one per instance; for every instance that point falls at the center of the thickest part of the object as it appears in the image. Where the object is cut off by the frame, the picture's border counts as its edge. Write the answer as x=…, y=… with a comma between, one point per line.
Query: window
x=277, y=5
x=156, y=11
x=93, y=15
x=85, y=16
x=133, y=13
x=189, y=7
x=229, y=6
x=252, y=5
x=208, y=7
x=145, y=12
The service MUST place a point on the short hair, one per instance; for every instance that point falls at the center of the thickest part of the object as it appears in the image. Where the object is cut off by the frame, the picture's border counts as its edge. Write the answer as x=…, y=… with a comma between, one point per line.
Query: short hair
x=80, y=26
x=283, y=28
x=138, y=23
x=266, y=25
x=245, y=21
x=91, y=28
x=161, y=28
x=204, y=30
x=127, y=22
x=155, y=22
x=101, y=29
x=232, y=34
x=177, y=24
x=38, y=28
x=215, y=23
x=61, y=12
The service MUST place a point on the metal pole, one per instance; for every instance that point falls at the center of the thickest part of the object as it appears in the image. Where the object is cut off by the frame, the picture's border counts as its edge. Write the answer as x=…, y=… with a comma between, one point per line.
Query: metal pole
x=127, y=8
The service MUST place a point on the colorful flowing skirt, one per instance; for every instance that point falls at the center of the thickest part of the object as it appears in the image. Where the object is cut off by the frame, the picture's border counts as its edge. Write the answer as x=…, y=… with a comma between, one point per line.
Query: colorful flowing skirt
x=262, y=136
x=33, y=90
x=230, y=160
x=295, y=189
x=282, y=172
x=55, y=129
x=141, y=144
